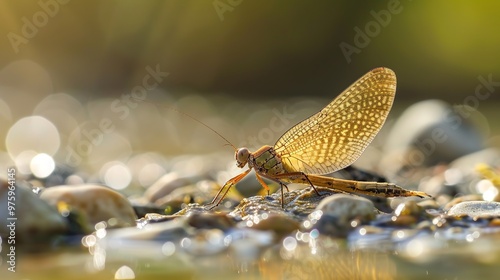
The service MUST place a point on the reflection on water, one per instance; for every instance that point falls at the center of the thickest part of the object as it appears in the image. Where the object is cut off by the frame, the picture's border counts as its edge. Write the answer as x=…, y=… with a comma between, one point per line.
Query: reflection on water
x=325, y=259
x=320, y=257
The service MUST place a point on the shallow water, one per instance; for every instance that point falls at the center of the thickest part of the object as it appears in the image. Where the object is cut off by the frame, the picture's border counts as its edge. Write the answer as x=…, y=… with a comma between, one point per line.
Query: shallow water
x=320, y=258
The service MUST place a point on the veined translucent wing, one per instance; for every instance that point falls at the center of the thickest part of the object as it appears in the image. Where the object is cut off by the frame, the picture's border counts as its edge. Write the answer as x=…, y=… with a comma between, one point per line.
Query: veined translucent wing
x=336, y=136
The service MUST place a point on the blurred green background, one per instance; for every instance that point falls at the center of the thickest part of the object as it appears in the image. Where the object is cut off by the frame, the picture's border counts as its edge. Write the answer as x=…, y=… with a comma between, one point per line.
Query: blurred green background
x=255, y=49
x=229, y=57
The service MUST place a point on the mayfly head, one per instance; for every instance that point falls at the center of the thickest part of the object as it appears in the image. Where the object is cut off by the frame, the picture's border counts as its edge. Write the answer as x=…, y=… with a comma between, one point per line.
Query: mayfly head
x=241, y=155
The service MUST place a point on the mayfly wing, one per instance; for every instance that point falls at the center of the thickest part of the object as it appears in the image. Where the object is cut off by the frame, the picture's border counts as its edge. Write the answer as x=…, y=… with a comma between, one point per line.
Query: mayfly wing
x=336, y=136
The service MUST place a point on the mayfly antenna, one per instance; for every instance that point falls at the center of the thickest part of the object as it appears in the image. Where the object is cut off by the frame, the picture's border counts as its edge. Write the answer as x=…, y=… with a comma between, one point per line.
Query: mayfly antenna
x=194, y=119
x=205, y=125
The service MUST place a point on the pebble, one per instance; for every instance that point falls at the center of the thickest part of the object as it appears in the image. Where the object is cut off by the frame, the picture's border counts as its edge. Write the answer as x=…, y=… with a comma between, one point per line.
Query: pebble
x=167, y=184
x=436, y=137
x=407, y=213
x=475, y=209
x=408, y=208
x=281, y=225
x=338, y=212
x=35, y=218
x=156, y=218
x=347, y=207
x=94, y=202
x=210, y=221
x=460, y=199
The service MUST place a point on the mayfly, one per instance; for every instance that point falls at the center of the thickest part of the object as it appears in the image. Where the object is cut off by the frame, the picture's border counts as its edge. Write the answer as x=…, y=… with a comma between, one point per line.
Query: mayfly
x=327, y=141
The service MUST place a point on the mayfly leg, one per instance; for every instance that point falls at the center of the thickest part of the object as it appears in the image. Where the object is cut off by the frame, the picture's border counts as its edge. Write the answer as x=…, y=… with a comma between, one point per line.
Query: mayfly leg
x=282, y=195
x=277, y=178
x=227, y=186
x=277, y=181
x=296, y=177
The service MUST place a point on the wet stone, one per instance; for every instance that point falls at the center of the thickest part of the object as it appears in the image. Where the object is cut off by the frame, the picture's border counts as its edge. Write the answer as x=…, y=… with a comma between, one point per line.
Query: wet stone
x=156, y=218
x=210, y=221
x=475, y=209
x=95, y=203
x=408, y=208
x=408, y=213
x=298, y=204
x=348, y=207
x=460, y=199
x=192, y=208
x=411, y=130
x=404, y=221
x=279, y=224
x=166, y=185
x=340, y=212
x=36, y=218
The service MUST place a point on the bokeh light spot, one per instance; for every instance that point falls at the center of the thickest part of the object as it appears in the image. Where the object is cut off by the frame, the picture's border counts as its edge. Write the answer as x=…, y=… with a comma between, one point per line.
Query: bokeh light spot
x=290, y=243
x=32, y=133
x=124, y=272
x=42, y=165
x=116, y=175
